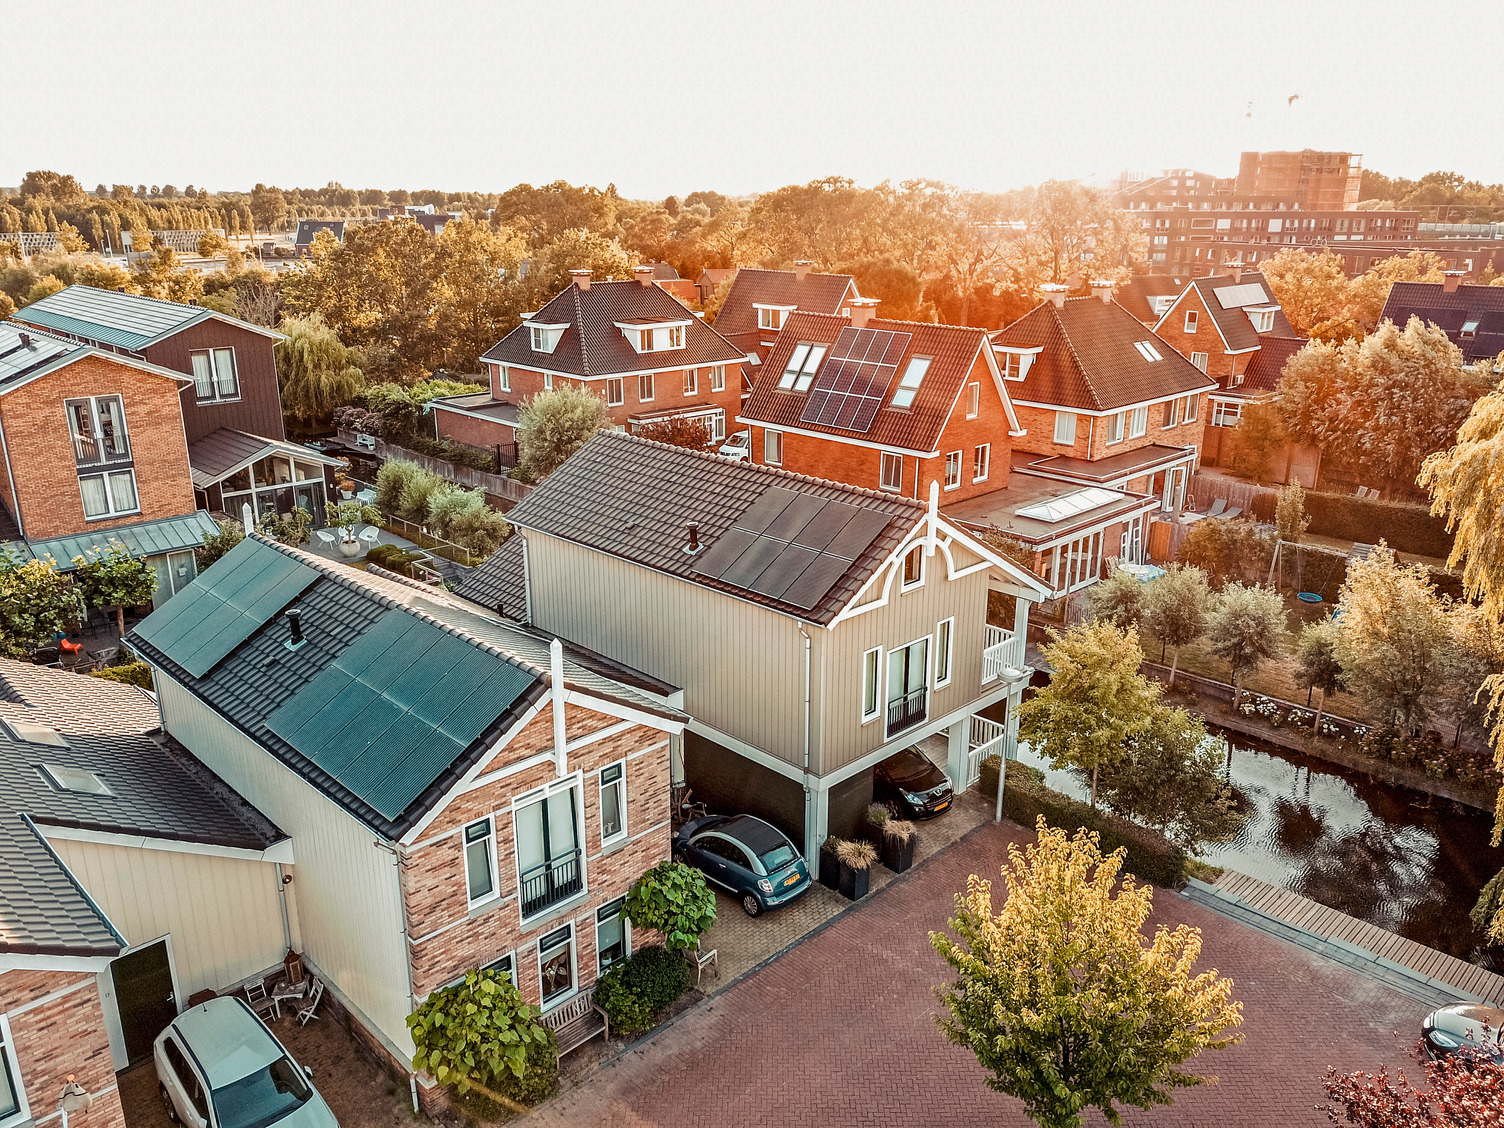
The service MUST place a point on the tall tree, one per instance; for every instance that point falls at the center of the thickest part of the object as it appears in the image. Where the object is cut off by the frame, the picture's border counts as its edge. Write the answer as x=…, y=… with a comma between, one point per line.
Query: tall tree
x=314, y=371
x=1290, y=521
x=1060, y=997
x=1175, y=607
x=1118, y=599
x=1474, y=655
x=268, y=207
x=1323, y=303
x=553, y=425
x=1073, y=235
x=1246, y=628
x=114, y=578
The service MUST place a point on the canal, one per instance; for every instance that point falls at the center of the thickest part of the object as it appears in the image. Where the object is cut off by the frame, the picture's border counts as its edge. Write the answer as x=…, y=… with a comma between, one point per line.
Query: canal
x=1399, y=859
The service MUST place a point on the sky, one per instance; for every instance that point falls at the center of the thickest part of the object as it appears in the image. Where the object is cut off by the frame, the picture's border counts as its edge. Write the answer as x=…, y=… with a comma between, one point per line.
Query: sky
x=661, y=98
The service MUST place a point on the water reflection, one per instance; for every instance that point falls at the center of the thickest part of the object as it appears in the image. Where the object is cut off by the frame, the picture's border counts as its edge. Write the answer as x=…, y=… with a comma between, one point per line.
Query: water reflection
x=1395, y=858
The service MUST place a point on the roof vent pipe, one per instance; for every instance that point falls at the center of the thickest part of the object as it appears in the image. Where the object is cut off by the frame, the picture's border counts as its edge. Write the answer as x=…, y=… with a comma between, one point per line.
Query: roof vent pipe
x=25, y=340
x=295, y=625
x=692, y=546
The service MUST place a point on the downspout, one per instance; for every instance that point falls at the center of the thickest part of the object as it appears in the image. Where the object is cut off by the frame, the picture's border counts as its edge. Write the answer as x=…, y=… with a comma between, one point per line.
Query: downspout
x=407, y=959
x=556, y=675
x=15, y=501
x=282, y=897
x=808, y=791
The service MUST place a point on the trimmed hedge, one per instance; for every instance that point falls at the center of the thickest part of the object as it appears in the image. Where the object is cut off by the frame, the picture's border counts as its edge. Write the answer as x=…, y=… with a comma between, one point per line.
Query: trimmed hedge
x=1406, y=528
x=635, y=989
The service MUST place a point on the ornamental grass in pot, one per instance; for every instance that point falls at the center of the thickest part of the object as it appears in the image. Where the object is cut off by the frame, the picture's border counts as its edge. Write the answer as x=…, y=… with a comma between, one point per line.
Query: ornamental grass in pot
x=877, y=817
x=856, y=860
x=899, y=839
x=829, y=874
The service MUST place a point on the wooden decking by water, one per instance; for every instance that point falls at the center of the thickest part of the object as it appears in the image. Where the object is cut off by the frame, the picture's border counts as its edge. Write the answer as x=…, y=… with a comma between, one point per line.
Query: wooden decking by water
x=1383, y=946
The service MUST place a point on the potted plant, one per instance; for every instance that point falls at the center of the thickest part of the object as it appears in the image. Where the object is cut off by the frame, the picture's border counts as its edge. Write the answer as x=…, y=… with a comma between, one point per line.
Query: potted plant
x=857, y=860
x=346, y=487
x=877, y=818
x=345, y=516
x=830, y=866
x=899, y=838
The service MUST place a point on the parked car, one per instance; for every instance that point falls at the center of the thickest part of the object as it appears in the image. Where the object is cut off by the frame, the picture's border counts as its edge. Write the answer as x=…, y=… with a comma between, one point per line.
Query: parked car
x=737, y=447
x=911, y=785
x=218, y=1066
x=747, y=857
x=1471, y=1026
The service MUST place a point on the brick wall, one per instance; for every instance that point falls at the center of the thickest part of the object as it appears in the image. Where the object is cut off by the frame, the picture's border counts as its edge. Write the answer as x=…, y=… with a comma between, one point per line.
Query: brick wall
x=668, y=391
x=41, y=452
x=57, y=1025
x=1219, y=365
x=468, y=429
x=1092, y=431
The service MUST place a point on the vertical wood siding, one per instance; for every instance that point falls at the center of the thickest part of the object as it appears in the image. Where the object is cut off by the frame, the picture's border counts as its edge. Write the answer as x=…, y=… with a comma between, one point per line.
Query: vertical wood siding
x=259, y=409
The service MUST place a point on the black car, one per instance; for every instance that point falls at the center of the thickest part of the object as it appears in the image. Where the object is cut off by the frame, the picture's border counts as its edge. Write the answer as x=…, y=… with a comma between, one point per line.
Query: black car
x=745, y=856
x=910, y=784
x=1474, y=1027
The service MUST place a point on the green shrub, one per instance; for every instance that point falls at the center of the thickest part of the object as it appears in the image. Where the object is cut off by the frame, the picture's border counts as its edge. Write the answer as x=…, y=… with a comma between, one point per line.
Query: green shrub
x=1406, y=528
x=132, y=673
x=417, y=492
x=641, y=985
x=391, y=480
x=461, y=454
x=987, y=775
x=540, y=1071
x=392, y=557
x=672, y=898
x=480, y=1031
x=627, y=1011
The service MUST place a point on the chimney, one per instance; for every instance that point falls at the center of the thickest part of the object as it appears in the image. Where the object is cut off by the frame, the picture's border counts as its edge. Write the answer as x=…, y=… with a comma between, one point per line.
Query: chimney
x=1054, y=292
x=25, y=340
x=643, y=274
x=1450, y=279
x=295, y=626
x=801, y=269
x=862, y=310
x=692, y=546
x=580, y=278
x=1101, y=289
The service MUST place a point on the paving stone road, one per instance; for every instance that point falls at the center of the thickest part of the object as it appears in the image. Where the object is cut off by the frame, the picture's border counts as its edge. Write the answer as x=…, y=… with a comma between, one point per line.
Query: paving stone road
x=839, y=1031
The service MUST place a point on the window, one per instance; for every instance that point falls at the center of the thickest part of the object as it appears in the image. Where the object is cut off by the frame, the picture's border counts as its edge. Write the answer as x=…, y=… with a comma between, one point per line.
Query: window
x=913, y=376
x=556, y=970
x=943, y=633
x=1199, y=360
x=871, y=664
x=480, y=849
x=12, y=1094
x=1172, y=411
x=1147, y=351
x=913, y=567
x=691, y=381
x=676, y=336
x=892, y=472
x=1190, y=320
x=1115, y=425
x=1138, y=422
x=613, y=934
x=717, y=426
x=952, y=469
x=540, y=339
x=1012, y=365
x=772, y=448
x=1065, y=427
x=214, y=375
x=1235, y=379
x=186, y=1078
x=615, y=395
x=613, y=803
x=981, y=462
x=1188, y=414
x=548, y=381
x=549, y=868
x=98, y=429
x=1226, y=414
x=908, y=685
x=769, y=318
x=73, y=779
x=717, y=377
x=507, y=965
x=109, y=495
x=799, y=373
x=503, y=378
x=1263, y=321
x=645, y=388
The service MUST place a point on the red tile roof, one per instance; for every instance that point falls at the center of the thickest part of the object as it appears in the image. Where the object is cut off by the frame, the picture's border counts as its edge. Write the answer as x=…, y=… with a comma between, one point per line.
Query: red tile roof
x=1268, y=363
x=816, y=293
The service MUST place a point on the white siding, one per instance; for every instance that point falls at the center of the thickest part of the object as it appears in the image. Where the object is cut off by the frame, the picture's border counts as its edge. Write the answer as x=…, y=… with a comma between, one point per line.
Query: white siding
x=348, y=909
x=223, y=913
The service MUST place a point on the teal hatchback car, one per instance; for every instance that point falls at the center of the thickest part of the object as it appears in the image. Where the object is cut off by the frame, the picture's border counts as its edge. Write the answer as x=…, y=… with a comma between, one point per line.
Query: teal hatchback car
x=750, y=859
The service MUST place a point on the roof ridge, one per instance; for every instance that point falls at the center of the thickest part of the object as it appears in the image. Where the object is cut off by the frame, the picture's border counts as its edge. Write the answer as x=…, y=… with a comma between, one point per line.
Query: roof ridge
x=579, y=328
x=1071, y=346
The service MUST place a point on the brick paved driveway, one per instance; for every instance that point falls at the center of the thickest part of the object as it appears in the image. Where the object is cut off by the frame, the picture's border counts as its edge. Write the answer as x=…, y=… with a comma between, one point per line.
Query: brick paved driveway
x=839, y=1031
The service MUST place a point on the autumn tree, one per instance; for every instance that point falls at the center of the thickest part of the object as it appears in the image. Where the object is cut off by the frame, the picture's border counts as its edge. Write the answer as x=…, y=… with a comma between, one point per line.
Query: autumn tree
x=1322, y=303
x=553, y=425
x=1245, y=629
x=692, y=434
x=314, y=371
x=268, y=207
x=1061, y=998
x=1290, y=520
x=1072, y=234
x=37, y=603
x=1317, y=665
x=1461, y=1092
x=1175, y=609
x=1095, y=702
x=576, y=249
x=1474, y=654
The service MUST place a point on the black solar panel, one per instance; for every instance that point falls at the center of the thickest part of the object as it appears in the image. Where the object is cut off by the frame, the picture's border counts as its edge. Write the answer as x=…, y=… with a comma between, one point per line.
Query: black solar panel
x=791, y=546
x=854, y=380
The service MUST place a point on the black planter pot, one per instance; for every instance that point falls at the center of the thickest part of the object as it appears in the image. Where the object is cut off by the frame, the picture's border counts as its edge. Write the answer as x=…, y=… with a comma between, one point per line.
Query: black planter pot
x=898, y=854
x=830, y=869
x=853, y=883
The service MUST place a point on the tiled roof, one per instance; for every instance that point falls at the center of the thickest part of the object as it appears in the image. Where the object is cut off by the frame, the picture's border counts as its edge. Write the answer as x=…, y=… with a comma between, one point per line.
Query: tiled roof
x=1135, y=296
x=1237, y=330
x=499, y=582
x=1430, y=302
x=953, y=349
x=223, y=451
x=309, y=228
x=592, y=345
x=1088, y=360
x=157, y=790
x=631, y=497
x=109, y=317
x=817, y=293
x=1269, y=362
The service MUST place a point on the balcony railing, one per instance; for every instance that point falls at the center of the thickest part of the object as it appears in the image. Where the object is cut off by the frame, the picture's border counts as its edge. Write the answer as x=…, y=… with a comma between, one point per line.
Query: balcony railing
x=1003, y=652
x=907, y=711
x=557, y=879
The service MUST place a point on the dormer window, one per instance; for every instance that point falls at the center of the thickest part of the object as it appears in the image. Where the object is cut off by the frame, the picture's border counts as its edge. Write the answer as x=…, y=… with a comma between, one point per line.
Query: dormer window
x=913, y=376
x=1262, y=318
x=1014, y=365
x=649, y=336
x=799, y=373
x=545, y=335
x=771, y=316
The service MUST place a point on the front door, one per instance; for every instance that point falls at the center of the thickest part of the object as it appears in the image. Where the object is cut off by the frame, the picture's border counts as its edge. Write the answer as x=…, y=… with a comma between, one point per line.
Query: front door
x=144, y=996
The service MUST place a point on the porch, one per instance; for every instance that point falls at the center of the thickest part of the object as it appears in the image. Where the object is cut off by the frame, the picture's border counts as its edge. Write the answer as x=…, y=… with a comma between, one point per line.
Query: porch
x=1002, y=660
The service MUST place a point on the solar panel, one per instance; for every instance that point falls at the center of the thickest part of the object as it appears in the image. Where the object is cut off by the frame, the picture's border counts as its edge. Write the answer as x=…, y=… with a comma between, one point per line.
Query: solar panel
x=854, y=380
x=791, y=546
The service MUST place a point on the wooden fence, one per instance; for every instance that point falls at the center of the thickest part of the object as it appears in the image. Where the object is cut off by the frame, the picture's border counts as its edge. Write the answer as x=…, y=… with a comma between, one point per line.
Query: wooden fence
x=508, y=490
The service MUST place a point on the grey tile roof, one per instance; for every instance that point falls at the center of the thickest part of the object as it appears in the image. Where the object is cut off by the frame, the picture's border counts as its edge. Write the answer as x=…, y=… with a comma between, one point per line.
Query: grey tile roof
x=1430, y=302
x=309, y=228
x=223, y=451
x=129, y=321
x=499, y=582
x=631, y=497
x=592, y=345
x=157, y=790
x=1089, y=362
x=817, y=293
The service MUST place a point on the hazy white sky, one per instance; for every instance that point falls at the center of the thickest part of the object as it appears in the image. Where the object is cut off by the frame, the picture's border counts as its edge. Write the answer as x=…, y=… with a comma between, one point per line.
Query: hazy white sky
x=671, y=97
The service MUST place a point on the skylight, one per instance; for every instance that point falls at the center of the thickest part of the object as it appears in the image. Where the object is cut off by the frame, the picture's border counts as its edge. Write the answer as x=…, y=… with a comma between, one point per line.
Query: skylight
x=1059, y=508
x=74, y=779
x=913, y=376
x=1147, y=351
x=27, y=733
x=800, y=372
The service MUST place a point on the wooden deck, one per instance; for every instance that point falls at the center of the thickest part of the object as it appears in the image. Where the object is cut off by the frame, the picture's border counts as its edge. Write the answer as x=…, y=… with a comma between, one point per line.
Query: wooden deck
x=1339, y=928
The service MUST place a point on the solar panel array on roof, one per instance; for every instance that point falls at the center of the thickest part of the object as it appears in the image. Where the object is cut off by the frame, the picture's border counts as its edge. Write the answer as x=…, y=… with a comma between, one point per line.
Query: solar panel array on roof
x=221, y=609
x=398, y=708
x=854, y=380
x=791, y=546
x=1236, y=297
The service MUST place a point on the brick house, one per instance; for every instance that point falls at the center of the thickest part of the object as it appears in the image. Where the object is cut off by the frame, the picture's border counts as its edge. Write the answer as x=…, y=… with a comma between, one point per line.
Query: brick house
x=937, y=410
x=231, y=409
x=459, y=792
x=759, y=302
x=1472, y=316
x=631, y=343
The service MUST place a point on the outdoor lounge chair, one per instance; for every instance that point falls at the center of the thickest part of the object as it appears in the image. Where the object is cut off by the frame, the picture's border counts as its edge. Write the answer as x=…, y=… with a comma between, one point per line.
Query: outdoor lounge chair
x=306, y=1014
x=1229, y=514
x=1217, y=507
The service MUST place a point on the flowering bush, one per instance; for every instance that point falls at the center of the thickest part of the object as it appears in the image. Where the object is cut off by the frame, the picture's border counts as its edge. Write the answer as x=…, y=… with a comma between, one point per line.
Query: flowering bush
x=1302, y=717
x=1260, y=706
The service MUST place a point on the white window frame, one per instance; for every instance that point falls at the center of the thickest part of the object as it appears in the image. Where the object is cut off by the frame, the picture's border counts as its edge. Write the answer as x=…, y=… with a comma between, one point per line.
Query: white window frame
x=1188, y=414
x=9, y=1060
x=620, y=783
x=770, y=318
x=489, y=838
x=911, y=381
x=645, y=380
x=799, y=373
x=1199, y=359
x=772, y=447
x=104, y=474
x=1191, y=320
x=973, y=399
x=1172, y=413
x=676, y=336
x=1065, y=428
x=886, y=481
x=213, y=357
x=1265, y=322
x=1138, y=422
x=573, y=944
x=548, y=381
x=691, y=381
x=503, y=378
x=1235, y=379
x=872, y=684
x=945, y=644
x=574, y=782
x=1117, y=426
x=626, y=934
x=616, y=394
x=717, y=377
x=981, y=462
x=903, y=566
x=953, y=470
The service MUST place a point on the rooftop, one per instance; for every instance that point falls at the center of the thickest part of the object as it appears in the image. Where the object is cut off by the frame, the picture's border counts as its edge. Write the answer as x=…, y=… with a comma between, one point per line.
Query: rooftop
x=1013, y=510
x=28, y=353
x=815, y=293
x=1483, y=306
x=224, y=451
x=128, y=321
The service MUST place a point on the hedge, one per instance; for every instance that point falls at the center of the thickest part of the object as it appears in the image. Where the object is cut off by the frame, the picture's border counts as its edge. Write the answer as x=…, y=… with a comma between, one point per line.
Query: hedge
x=1405, y=527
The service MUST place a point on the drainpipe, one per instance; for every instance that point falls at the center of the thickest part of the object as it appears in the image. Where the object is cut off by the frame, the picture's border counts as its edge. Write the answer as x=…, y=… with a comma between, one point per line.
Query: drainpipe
x=809, y=811
x=407, y=957
x=282, y=896
x=556, y=675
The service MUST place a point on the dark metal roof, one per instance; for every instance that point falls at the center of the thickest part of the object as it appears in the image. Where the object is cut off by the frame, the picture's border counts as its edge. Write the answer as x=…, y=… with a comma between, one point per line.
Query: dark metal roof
x=592, y=345
x=148, y=538
x=817, y=293
x=22, y=360
x=156, y=790
x=480, y=403
x=128, y=321
x=631, y=497
x=1431, y=303
x=1088, y=361
x=309, y=228
x=223, y=451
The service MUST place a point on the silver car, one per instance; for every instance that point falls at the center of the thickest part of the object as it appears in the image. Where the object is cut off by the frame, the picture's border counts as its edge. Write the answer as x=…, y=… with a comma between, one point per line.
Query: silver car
x=218, y=1066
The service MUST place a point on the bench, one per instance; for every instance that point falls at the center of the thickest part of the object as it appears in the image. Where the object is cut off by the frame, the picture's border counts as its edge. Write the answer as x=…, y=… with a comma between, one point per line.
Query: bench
x=576, y=1022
